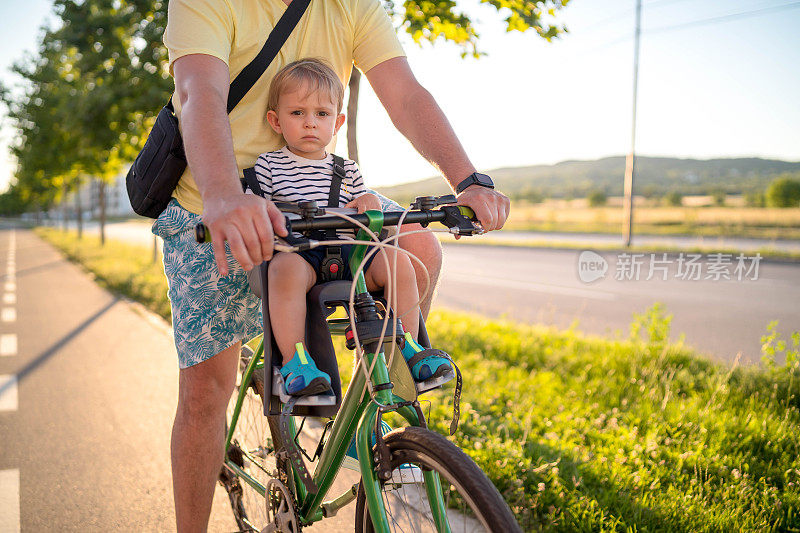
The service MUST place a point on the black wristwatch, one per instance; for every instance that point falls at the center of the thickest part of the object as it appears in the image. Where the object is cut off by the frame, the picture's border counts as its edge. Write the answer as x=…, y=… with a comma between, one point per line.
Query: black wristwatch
x=476, y=178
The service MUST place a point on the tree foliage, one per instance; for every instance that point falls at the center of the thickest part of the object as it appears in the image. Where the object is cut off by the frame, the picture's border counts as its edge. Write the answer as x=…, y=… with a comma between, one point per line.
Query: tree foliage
x=783, y=191
x=89, y=95
x=442, y=20
x=597, y=198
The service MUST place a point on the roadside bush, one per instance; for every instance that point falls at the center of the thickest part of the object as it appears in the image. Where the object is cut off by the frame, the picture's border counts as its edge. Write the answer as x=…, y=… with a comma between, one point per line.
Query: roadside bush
x=754, y=199
x=674, y=198
x=597, y=198
x=718, y=195
x=783, y=192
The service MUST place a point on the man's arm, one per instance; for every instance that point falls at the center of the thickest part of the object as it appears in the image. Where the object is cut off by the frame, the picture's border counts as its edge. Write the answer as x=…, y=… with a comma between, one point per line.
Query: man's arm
x=245, y=221
x=416, y=115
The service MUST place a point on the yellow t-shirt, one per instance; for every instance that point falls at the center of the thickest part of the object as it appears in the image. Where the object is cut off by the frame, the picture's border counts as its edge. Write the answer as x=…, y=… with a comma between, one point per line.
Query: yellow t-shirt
x=342, y=32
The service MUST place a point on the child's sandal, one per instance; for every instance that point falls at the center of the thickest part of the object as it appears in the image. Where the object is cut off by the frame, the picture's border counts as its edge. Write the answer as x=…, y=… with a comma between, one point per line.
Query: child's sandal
x=425, y=363
x=301, y=376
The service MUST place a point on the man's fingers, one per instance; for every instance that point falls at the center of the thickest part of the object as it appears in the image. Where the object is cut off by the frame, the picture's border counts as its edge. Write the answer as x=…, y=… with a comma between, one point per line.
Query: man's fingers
x=266, y=237
x=218, y=245
x=251, y=241
x=277, y=221
x=239, y=251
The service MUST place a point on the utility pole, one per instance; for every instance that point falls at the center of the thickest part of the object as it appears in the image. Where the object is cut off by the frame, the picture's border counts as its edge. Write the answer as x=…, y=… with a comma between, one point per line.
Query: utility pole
x=629, y=163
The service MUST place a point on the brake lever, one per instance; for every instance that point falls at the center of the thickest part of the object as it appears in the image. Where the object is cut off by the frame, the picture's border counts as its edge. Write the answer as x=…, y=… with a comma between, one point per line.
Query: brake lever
x=460, y=223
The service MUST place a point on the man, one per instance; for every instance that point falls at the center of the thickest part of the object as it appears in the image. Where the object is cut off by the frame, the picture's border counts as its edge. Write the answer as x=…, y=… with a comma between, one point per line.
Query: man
x=209, y=42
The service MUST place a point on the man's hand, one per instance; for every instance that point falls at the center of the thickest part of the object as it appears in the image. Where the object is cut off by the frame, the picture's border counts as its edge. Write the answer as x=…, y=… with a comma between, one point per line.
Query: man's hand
x=246, y=222
x=365, y=202
x=491, y=207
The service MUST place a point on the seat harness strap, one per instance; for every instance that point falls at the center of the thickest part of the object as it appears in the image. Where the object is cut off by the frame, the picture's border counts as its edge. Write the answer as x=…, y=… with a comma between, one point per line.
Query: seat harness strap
x=332, y=267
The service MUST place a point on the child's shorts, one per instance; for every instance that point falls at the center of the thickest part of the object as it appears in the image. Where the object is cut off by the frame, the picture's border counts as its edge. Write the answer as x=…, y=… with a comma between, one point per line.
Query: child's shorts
x=316, y=256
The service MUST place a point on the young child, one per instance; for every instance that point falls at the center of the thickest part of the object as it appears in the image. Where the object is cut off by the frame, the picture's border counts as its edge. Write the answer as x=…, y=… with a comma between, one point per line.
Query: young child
x=304, y=106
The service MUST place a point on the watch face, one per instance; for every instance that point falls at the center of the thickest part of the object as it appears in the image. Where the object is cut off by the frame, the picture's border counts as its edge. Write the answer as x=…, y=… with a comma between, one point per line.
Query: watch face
x=484, y=180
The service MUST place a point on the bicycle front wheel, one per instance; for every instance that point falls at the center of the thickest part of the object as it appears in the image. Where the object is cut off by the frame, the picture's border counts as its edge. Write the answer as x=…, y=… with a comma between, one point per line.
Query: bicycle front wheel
x=252, y=449
x=472, y=503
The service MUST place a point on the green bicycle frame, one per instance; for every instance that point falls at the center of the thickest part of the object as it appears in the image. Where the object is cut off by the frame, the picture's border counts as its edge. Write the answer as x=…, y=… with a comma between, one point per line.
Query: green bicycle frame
x=357, y=416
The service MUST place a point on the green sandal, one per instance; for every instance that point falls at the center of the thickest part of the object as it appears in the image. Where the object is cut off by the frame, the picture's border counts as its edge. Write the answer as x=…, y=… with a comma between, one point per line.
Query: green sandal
x=301, y=376
x=425, y=363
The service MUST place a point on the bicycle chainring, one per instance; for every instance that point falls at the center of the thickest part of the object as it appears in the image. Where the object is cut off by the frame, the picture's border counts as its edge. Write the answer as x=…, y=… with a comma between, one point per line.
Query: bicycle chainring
x=281, y=510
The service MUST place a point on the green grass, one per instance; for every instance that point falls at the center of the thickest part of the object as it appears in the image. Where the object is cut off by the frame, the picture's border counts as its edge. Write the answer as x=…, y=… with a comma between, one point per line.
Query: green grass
x=591, y=434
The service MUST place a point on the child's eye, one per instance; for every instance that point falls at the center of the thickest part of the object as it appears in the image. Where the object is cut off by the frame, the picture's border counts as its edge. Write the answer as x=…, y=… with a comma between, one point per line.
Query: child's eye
x=298, y=113
x=323, y=113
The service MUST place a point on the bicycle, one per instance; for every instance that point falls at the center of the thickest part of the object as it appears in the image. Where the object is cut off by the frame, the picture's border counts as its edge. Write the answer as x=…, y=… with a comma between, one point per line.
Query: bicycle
x=264, y=474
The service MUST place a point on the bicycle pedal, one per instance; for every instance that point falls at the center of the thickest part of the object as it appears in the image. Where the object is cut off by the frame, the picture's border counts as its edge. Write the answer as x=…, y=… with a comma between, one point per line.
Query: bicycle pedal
x=435, y=383
x=279, y=390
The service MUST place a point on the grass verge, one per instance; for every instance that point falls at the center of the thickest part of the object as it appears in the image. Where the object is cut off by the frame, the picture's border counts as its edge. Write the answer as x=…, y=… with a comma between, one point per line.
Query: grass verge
x=589, y=434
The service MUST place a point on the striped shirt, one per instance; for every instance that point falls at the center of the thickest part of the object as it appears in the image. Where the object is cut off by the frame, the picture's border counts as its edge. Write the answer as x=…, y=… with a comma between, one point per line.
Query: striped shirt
x=287, y=177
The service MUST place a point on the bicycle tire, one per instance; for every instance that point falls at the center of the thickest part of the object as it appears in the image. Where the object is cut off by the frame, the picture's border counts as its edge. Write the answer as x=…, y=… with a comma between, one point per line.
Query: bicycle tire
x=406, y=504
x=253, y=434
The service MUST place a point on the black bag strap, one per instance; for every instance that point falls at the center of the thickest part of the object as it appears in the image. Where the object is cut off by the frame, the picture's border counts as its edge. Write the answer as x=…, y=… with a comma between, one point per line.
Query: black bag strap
x=250, y=74
x=248, y=77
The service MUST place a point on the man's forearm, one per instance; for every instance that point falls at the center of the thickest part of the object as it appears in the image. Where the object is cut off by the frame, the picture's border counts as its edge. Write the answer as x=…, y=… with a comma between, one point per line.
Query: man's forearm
x=425, y=125
x=209, y=145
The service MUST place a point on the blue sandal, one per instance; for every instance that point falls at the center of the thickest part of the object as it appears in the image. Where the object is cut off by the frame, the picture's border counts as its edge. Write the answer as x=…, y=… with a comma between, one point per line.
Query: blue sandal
x=301, y=376
x=425, y=363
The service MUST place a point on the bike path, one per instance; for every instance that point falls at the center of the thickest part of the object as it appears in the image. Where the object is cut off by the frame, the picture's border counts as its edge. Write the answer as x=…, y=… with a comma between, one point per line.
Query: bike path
x=84, y=445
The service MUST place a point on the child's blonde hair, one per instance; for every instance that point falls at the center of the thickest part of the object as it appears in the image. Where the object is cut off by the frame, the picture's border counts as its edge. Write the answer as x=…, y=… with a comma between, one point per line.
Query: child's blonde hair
x=314, y=73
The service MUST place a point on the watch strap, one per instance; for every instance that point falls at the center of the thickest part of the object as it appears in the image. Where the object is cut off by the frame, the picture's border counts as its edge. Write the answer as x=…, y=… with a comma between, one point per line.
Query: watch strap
x=472, y=179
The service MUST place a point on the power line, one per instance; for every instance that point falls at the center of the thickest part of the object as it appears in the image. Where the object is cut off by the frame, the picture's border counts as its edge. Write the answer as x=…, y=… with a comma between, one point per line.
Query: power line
x=701, y=22
x=725, y=18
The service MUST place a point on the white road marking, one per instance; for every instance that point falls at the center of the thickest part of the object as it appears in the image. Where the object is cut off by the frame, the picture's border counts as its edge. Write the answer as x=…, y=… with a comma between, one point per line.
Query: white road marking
x=8, y=394
x=8, y=314
x=8, y=344
x=9, y=298
x=9, y=501
x=592, y=294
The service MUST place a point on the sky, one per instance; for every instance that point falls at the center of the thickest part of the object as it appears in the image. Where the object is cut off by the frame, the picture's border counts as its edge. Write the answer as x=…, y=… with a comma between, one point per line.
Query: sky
x=726, y=87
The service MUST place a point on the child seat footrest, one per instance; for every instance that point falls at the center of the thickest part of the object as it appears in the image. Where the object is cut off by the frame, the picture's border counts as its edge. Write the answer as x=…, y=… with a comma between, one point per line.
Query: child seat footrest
x=370, y=331
x=279, y=390
x=435, y=383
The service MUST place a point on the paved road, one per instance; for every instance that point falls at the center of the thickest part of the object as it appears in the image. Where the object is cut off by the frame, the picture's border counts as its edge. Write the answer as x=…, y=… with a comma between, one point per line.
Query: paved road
x=719, y=317
x=85, y=423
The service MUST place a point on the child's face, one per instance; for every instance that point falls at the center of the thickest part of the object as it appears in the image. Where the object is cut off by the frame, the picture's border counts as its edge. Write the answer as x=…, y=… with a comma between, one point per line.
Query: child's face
x=308, y=120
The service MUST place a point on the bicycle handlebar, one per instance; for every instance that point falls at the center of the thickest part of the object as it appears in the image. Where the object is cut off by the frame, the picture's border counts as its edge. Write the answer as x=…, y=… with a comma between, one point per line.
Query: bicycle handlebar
x=453, y=216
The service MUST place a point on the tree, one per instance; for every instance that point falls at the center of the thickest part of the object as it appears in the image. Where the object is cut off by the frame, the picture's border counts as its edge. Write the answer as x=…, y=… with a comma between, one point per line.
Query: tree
x=85, y=92
x=718, y=195
x=597, y=198
x=674, y=198
x=434, y=21
x=783, y=191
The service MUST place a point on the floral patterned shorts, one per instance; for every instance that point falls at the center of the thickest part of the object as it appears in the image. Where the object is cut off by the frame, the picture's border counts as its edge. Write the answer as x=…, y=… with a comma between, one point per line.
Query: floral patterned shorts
x=209, y=312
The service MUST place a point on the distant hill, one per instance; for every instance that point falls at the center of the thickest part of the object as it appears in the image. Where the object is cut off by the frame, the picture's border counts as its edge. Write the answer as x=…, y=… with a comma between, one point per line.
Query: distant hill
x=654, y=176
